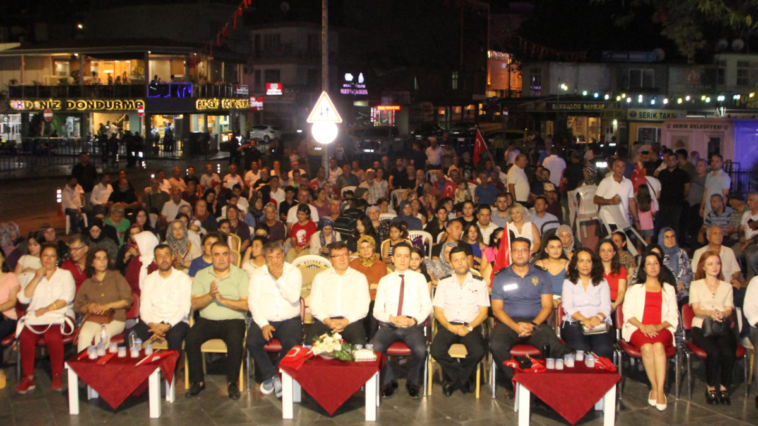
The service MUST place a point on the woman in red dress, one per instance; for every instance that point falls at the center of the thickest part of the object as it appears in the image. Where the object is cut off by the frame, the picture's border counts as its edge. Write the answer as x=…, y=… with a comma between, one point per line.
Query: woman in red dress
x=650, y=320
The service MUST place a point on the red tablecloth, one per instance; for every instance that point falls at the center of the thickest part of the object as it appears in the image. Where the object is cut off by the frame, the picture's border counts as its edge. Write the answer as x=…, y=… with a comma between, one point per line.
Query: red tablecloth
x=332, y=382
x=572, y=391
x=119, y=377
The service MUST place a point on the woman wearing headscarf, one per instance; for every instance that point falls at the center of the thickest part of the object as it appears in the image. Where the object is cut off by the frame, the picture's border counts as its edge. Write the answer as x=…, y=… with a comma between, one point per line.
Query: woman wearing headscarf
x=369, y=264
x=214, y=203
x=440, y=268
x=98, y=239
x=141, y=263
x=182, y=249
x=566, y=235
x=325, y=236
x=678, y=262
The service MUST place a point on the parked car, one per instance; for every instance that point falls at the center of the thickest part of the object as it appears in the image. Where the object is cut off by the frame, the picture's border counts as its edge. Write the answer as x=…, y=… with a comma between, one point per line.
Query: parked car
x=426, y=130
x=373, y=143
x=265, y=133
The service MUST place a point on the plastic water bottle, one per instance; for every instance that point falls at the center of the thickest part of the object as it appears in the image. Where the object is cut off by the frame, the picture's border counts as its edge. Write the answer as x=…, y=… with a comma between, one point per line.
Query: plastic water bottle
x=103, y=335
x=138, y=344
x=132, y=338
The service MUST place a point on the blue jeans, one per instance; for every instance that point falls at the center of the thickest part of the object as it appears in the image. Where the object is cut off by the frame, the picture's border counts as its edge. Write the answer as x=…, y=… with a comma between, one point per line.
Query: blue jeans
x=288, y=332
x=413, y=337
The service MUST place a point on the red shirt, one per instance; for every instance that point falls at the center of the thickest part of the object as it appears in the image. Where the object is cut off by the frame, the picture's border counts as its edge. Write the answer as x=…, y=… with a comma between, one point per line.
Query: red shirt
x=613, y=281
x=301, y=235
x=79, y=275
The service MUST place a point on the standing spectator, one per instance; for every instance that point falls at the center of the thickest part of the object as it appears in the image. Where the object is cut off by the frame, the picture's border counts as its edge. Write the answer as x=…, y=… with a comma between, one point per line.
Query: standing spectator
x=675, y=188
x=555, y=164
x=85, y=173
x=518, y=183
x=100, y=195
x=693, y=220
x=681, y=159
x=433, y=154
x=573, y=175
x=72, y=202
x=646, y=214
x=716, y=182
x=614, y=190
x=484, y=193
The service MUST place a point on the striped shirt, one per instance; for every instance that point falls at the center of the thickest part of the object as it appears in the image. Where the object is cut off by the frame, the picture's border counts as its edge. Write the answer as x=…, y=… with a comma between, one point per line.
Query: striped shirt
x=721, y=220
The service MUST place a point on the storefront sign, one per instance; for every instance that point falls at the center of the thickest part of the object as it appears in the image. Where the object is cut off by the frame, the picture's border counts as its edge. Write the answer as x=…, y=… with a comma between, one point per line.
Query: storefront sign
x=350, y=87
x=698, y=126
x=241, y=89
x=388, y=107
x=654, y=114
x=78, y=105
x=692, y=78
x=576, y=106
x=622, y=56
x=256, y=103
x=215, y=103
x=746, y=102
x=613, y=114
x=274, y=89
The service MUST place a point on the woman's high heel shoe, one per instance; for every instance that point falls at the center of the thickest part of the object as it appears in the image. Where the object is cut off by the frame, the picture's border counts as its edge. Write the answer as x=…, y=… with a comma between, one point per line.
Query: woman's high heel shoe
x=662, y=407
x=650, y=401
x=711, y=396
x=724, y=397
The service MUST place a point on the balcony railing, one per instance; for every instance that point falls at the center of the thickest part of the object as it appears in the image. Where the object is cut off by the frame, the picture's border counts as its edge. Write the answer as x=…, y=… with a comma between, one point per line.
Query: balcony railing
x=128, y=91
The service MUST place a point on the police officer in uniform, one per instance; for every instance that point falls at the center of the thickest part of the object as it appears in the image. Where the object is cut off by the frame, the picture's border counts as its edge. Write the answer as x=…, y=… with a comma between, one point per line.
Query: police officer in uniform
x=460, y=306
x=522, y=300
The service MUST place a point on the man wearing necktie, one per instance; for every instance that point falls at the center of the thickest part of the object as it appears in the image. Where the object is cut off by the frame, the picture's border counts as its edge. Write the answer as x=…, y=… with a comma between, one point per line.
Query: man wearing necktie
x=401, y=307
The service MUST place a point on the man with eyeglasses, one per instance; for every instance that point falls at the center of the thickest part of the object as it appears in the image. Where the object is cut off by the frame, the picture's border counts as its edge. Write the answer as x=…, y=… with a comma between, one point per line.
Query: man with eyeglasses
x=522, y=300
x=402, y=305
x=274, y=301
x=339, y=299
x=78, y=247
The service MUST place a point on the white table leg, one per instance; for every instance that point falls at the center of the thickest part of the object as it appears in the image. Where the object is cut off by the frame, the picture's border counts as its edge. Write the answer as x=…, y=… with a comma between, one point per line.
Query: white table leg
x=91, y=393
x=73, y=392
x=515, y=398
x=609, y=407
x=287, y=394
x=378, y=389
x=371, y=398
x=154, y=396
x=600, y=404
x=297, y=392
x=523, y=405
x=171, y=390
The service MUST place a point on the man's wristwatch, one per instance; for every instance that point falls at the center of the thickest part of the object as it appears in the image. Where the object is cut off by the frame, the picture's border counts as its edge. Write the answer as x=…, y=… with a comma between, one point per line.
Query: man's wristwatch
x=167, y=324
x=535, y=324
x=469, y=328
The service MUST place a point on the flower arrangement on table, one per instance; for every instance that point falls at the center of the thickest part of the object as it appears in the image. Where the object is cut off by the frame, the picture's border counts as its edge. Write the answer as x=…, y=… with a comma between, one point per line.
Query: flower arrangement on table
x=331, y=345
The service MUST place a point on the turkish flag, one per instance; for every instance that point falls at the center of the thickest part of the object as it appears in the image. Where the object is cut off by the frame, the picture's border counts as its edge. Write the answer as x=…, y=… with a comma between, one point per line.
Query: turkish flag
x=503, y=259
x=479, y=147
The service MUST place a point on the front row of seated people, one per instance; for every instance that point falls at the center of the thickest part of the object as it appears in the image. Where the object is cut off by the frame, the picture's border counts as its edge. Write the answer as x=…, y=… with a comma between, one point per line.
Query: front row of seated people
x=521, y=301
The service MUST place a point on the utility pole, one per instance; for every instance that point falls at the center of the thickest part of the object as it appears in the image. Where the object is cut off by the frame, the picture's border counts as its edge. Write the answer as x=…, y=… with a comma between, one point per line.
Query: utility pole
x=325, y=72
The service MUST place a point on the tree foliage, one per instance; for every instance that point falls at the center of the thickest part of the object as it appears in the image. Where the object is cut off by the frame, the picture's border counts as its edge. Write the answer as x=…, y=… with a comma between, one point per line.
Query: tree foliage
x=683, y=21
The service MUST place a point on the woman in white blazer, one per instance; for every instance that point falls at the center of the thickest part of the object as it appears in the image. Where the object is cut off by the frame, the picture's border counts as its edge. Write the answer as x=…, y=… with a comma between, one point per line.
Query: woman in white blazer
x=650, y=320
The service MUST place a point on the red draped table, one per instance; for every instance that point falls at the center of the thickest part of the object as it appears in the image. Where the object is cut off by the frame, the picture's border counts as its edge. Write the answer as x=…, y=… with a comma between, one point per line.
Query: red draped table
x=119, y=378
x=331, y=383
x=572, y=392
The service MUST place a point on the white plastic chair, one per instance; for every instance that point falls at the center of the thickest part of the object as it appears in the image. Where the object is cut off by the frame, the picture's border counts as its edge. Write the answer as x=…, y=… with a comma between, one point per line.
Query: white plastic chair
x=68, y=223
x=396, y=195
x=347, y=188
x=573, y=206
x=426, y=238
x=387, y=216
x=440, y=236
x=311, y=261
x=153, y=220
x=621, y=220
x=587, y=207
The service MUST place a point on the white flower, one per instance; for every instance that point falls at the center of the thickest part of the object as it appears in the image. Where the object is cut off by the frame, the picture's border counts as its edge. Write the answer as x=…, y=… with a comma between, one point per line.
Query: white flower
x=316, y=350
x=328, y=340
x=337, y=336
x=330, y=347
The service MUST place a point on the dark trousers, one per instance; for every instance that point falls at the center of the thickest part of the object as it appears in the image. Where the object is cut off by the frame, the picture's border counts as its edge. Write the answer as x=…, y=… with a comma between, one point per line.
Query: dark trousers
x=670, y=215
x=458, y=372
x=413, y=337
x=739, y=300
x=600, y=344
x=232, y=332
x=77, y=222
x=354, y=333
x=722, y=354
x=287, y=332
x=503, y=338
x=694, y=222
x=370, y=324
x=174, y=337
x=7, y=327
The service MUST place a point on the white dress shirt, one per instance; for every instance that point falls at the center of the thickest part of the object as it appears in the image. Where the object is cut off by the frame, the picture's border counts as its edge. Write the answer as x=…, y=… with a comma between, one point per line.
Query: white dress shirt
x=279, y=195
x=251, y=178
x=486, y=231
x=517, y=178
x=177, y=183
x=416, y=301
x=72, y=198
x=166, y=186
x=275, y=300
x=335, y=295
x=729, y=264
x=166, y=300
x=750, y=307
x=461, y=303
x=171, y=209
x=100, y=194
x=206, y=181
x=556, y=165
x=608, y=189
x=61, y=286
x=230, y=181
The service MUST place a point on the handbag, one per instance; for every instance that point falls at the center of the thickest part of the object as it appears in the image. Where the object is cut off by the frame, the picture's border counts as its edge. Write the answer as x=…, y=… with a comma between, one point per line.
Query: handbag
x=713, y=328
x=600, y=329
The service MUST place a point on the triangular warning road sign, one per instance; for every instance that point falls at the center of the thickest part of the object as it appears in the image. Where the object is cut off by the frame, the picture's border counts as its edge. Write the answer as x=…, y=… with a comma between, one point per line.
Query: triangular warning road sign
x=324, y=111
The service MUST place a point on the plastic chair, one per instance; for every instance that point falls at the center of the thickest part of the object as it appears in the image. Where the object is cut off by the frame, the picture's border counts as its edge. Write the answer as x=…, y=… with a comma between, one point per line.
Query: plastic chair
x=633, y=353
x=401, y=349
x=347, y=188
x=517, y=350
x=457, y=351
x=235, y=242
x=68, y=222
x=573, y=206
x=395, y=195
x=426, y=239
x=311, y=261
x=236, y=258
x=621, y=220
x=587, y=209
x=690, y=348
x=387, y=216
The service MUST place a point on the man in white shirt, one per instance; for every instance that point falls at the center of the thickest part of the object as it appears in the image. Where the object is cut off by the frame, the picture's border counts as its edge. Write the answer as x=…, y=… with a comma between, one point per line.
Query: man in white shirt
x=303, y=197
x=165, y=302
x=176, y=180
x=339, y=299
x=460, y=307
x=295, y=166
x=72, y=201
x=274, y=301
x=434, y=154
x=616, y=190
x=165, y=185
x=716, y=182
x=253, y=174
x=402, y=305
x=556, y=165
x=518, y=183
x=207, y=180
x=171, y=207
x=277, y=194
x=484, y=222
x=541, y=217
x=748, y=245
x=233, y=178
x=334, y=171
x=730, y=268
x=100, y=194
